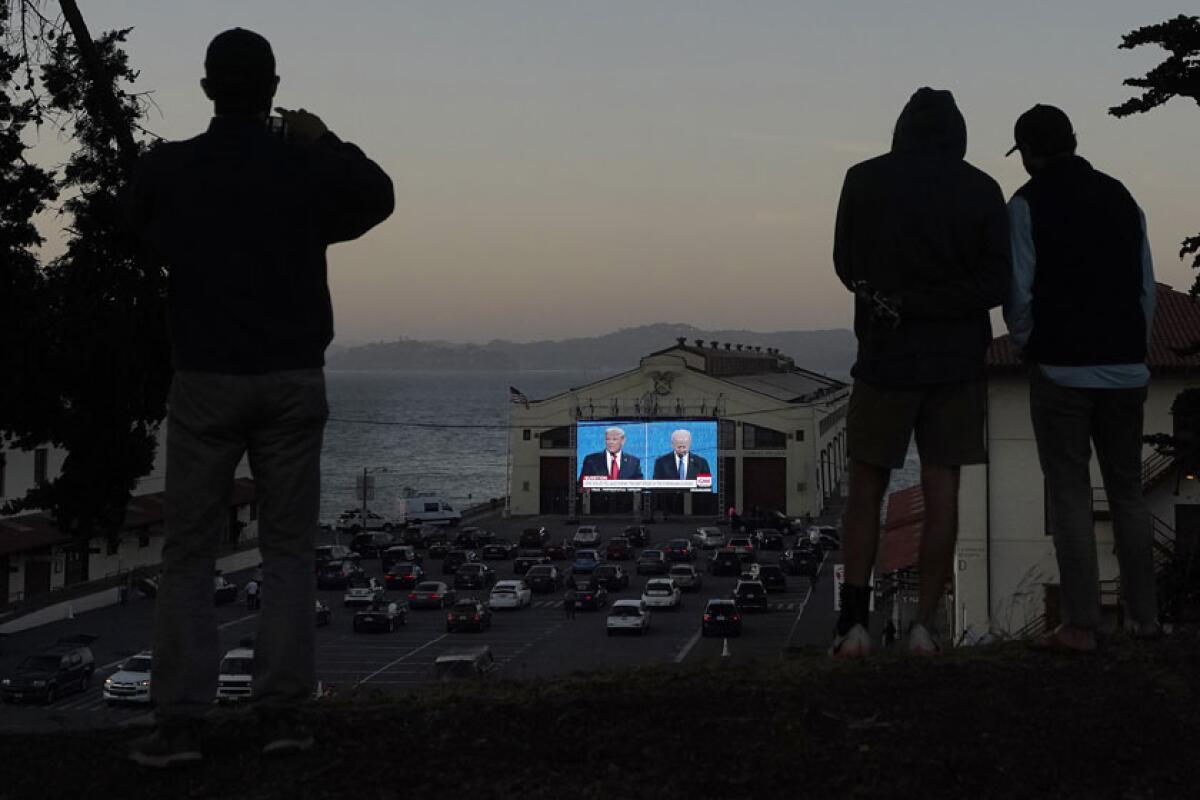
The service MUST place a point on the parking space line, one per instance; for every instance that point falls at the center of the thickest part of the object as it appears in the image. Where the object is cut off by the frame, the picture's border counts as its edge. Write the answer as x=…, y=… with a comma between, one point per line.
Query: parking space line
x=233, y=622
x=799, y=613
x=687, y=648
x=401, y=658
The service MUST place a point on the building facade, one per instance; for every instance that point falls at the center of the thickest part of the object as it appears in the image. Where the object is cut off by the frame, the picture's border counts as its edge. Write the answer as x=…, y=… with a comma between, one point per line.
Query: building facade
x=781, y=433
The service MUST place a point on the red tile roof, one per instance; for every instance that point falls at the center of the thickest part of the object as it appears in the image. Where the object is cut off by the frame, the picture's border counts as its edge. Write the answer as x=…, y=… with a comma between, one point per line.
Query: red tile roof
x=900, y=540
x=1176, y=326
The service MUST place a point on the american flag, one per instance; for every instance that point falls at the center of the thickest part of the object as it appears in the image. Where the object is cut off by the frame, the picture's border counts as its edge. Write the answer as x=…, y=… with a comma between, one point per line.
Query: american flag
x=515, y=395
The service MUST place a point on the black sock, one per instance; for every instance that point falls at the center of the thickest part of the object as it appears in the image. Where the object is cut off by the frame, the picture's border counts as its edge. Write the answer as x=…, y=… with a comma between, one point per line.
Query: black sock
x=856, y=605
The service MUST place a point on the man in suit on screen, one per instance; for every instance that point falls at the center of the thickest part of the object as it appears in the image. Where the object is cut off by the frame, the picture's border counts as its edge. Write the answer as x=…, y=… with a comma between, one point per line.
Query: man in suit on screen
x=681, y=463
x=612, y=462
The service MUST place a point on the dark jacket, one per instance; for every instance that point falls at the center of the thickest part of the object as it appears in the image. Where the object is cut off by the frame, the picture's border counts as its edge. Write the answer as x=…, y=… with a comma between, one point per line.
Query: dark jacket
x=596, y=464
x=1087, y=287
x=241, y=218
x=924, y=226
x=666, y=467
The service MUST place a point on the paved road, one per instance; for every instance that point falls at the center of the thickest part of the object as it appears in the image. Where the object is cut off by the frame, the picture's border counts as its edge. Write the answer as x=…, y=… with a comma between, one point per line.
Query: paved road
x=533, y=642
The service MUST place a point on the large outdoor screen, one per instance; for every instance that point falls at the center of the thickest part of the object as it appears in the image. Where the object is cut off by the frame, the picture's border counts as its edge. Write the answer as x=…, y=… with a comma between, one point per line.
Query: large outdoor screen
x=628, y=455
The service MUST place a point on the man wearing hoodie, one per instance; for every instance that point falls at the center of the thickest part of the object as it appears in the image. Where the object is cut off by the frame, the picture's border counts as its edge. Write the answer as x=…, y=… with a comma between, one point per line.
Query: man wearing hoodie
x=1081, y=308
x=922, y=240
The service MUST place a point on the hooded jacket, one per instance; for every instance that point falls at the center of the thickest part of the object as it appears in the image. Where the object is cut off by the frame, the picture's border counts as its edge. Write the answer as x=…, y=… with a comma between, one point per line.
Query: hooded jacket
x=923, y=226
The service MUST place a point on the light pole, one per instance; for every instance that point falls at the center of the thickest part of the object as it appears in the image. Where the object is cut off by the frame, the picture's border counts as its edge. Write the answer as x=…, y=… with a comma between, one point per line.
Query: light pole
x=366, y=491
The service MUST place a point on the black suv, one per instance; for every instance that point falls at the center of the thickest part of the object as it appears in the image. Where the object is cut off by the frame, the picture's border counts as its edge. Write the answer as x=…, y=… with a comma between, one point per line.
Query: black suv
x=61, y=668
x=725, y=562
x=456, y=558
x=370, y=544
x=637, y=535
x=721, y=618
x=772, y=577
x=534, y=538
x=611, y=576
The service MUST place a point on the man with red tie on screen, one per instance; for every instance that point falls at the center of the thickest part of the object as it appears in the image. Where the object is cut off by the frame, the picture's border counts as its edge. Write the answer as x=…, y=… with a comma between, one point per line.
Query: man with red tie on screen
x=612, y=462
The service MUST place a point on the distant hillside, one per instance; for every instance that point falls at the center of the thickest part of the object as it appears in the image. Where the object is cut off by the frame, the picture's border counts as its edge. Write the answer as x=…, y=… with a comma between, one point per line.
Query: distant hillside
x=829, y=351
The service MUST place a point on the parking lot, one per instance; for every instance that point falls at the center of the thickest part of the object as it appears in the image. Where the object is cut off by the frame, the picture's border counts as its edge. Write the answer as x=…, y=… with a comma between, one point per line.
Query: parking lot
x=536, y=641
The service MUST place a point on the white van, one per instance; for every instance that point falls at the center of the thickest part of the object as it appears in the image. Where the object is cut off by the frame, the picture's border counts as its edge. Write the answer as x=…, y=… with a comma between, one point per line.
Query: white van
x=235, y=676
x=430, y=511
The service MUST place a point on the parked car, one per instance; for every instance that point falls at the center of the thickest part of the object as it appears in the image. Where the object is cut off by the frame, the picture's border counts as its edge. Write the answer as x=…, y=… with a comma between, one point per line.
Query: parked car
x=64, y=667
x=510, y=594
x=612, y=577
x=468, y=613
x=750, y=595
x=768, y=539
x=336, y=574
x=772, y=577
x=403, y=576
x=362, y=592
x=381, y=616
x=585, y=561
x=543, y=578
x=750, y=570
x=131, y=682
x=498, y=550
x=743, y=546
x=353, y=522
x=431, y=594
x=522, y=564
x=475, y=663
x=721, y=618
x=456, y=558
x=651, y=562
x=471, y=537
x=323, y=615
x=396, y=554
x=534, y=538
x=474, y=576
x=618, y=549
x=628, y=615
x=560, y=550
x=438, y=545
x=586, y=536
x=418, y=535
x=679, y=550
x=590, y=597
x=709, y=538
x=330, y=552
x=637, y=535
x=800, y=561
x=662, y=593
x=224, y=591
x=371, y=544
x=725, y=562
x=430, y=510
x=235, y=674
x=829, y=537
x=686, y=577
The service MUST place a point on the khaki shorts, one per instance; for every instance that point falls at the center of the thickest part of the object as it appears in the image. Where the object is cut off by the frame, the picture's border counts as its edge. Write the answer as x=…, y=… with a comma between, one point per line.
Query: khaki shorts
x=947, y=418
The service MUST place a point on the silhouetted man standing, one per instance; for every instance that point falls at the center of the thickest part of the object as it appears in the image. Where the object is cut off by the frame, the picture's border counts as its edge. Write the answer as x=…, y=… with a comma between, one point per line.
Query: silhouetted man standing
x=242, y=215
x=922, y=240
x=1081, y=308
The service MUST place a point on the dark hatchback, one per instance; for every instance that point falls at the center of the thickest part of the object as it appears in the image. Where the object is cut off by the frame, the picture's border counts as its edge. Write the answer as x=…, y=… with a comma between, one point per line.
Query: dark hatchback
x=560, y=550
x=455, y=559
x=468, y=614
x=543, y=578
x=679, y=550
x=381, y=617
x=725, y=562
x=431, y=594
x=637, y=535
x=522, y=564
x=721, y=618
x=397, y=554
x=474, y=576
x=750, y=595
x=772, y=577
x=534, y=538
x=403, y=576
x=497, y=550
x=438, y=546
x=652, y=562
x=800, y=561
x=336, y=574
x=769, y=539
x=612, y=577
x=589, y=597
x=618, y=549
x=371, y=544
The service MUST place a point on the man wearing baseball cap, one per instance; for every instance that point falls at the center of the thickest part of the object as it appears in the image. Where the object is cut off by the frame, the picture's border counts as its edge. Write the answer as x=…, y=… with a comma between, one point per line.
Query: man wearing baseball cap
x=1081, y=306
x=241, y=216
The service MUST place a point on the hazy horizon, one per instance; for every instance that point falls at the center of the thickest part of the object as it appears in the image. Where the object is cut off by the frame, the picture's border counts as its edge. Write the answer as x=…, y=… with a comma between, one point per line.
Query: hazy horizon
x=567, y=169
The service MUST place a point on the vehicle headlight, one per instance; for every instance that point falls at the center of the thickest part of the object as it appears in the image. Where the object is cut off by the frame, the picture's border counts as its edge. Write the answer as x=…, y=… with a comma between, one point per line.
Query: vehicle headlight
x=5, y=682
x=108, y=681
x=39, y=683
x=144, y=683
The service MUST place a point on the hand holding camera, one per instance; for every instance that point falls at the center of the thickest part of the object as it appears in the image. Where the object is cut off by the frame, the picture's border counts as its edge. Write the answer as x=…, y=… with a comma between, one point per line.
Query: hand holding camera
x=884, y=308
x=302, y=126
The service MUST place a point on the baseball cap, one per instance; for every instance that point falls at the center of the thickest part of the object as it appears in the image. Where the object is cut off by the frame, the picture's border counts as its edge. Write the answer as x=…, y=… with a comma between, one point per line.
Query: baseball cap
x=1043, y=131
x=239, y=56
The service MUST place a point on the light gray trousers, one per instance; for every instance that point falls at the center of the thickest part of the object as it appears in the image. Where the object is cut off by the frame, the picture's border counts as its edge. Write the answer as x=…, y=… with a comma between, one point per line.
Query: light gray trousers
x=278, y=419
x=1066, y=422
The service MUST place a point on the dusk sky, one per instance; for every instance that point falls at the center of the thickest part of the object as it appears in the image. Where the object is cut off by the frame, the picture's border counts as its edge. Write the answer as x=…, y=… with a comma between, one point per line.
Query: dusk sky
x=570, y=168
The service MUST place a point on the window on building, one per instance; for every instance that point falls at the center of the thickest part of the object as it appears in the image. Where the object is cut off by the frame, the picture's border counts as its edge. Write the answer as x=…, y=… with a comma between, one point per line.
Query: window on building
x=556, y=439
x=112, y=545
x=756, y=437
x=799, y=434
x=726, y=435
x=40, y=458
x=526, y=435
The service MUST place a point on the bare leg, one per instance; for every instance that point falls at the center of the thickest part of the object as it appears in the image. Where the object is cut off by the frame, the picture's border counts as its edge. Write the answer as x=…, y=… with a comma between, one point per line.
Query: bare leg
x=939, y=484
x=860, y=521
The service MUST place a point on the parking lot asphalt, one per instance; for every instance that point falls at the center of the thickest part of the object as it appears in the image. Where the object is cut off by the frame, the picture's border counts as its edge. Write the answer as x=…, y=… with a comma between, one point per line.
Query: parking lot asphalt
x=534, y=642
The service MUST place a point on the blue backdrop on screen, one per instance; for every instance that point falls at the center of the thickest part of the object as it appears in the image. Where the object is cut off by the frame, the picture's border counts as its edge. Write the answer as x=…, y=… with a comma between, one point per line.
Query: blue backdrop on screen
x=648, y=441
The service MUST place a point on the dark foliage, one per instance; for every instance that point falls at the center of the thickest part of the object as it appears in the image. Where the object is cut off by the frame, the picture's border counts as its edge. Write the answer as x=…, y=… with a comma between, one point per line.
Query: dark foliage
x=98, y=355
x=1178, y=76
